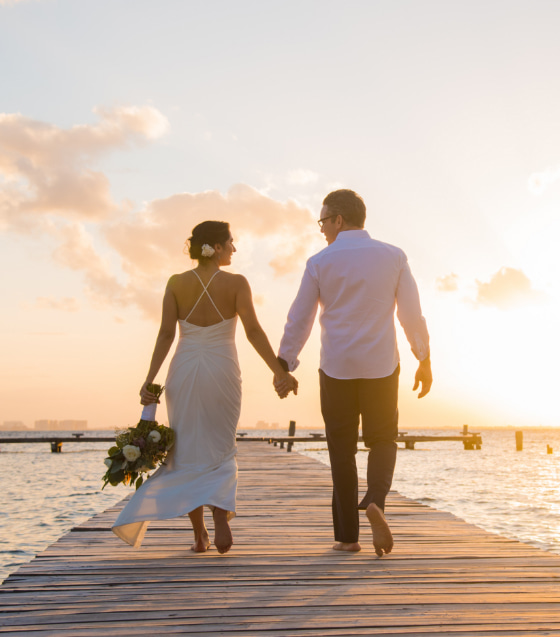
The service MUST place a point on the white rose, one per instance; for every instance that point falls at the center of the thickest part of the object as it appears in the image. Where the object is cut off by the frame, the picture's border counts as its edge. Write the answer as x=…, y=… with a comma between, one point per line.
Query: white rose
x=131, y=452
x=207, y=251
x=108, y=462
x=154, y=435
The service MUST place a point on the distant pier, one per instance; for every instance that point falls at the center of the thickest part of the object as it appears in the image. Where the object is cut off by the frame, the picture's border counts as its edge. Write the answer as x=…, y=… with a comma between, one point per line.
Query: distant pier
x=469, y=440
x=281, y=578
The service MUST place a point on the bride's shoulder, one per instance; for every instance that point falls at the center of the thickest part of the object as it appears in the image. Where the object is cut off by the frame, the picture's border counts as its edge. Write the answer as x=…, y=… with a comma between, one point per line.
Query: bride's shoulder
x=178, y=279
x=233, y=280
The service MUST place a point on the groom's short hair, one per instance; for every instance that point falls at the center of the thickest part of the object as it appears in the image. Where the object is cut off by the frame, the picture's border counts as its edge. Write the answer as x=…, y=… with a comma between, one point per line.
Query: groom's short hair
x=348, y=204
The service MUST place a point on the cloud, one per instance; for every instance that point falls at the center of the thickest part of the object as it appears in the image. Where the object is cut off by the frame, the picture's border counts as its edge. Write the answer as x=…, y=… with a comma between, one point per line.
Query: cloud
x=49, y=184
x=506, y=289
x=539, y=182
x=47, y=170
x=144, y=240
x=447, y=283
x=302, y=177
x=66, y=304
x=289, y=258
x=77, y=252
x=148, y=245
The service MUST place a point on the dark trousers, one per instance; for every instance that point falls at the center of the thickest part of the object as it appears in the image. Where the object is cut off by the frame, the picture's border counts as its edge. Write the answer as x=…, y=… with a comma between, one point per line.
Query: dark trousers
x=342, y=403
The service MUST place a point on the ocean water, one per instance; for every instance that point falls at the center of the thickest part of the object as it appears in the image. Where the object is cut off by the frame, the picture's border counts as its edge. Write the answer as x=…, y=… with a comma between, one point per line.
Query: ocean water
x=513, y=493
x=516, y=494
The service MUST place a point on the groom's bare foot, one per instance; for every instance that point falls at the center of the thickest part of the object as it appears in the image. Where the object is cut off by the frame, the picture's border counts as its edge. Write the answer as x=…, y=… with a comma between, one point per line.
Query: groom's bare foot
x=201, y=543
x=351, y=547
x=223, y=538
x=382, y=536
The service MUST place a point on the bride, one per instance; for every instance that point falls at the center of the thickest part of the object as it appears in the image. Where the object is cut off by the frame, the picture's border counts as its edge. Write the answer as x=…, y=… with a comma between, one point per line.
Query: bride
x=203, y=393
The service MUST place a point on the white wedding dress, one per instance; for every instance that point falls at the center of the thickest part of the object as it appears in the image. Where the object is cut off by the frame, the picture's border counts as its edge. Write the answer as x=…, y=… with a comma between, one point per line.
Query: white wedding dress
x=203, y=394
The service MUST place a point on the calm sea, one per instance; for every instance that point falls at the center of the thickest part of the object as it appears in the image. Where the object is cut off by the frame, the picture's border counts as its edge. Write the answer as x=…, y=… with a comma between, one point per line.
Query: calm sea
x=515, y=494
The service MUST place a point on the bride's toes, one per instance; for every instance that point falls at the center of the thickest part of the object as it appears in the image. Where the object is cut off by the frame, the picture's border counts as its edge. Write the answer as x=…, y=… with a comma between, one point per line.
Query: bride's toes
x=201, y=545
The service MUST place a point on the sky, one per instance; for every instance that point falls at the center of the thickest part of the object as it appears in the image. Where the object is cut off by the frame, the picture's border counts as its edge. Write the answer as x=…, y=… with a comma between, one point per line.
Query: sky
x=124, y=123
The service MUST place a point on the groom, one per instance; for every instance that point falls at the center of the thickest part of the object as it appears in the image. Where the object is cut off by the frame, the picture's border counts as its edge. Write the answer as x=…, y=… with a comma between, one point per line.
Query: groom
x=357, y=282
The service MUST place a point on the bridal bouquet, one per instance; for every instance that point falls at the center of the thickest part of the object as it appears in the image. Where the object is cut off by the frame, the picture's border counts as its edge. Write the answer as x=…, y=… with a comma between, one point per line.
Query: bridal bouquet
x=138, y=449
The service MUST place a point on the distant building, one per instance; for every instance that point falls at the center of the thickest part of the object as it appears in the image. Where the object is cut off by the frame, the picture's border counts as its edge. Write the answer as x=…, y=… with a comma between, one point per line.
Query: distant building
x=13, y=425
x=266, y=425
x=60, y=425
x=67, y=425
x=46, y=425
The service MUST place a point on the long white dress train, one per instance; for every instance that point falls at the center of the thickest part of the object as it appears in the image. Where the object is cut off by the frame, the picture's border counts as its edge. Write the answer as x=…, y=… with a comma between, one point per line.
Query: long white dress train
x=203, y=394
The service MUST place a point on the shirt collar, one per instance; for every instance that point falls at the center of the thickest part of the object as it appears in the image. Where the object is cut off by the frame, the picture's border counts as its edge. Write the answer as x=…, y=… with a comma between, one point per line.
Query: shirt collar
x=349, y=235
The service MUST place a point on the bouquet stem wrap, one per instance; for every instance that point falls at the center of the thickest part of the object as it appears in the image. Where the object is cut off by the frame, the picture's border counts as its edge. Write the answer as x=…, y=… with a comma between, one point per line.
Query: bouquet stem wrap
x=149, y=412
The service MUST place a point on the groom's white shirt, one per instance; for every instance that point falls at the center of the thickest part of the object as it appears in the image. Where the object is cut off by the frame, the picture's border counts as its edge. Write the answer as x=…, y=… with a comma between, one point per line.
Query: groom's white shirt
x=357, y=282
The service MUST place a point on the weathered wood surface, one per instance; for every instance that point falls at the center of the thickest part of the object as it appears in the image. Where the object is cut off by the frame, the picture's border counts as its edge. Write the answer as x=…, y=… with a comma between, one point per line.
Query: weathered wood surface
x=281, y=577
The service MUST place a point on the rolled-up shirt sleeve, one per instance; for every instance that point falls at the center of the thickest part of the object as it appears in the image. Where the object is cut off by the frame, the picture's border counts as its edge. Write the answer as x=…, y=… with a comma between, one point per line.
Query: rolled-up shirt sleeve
x=410, y=316
x=300, y=318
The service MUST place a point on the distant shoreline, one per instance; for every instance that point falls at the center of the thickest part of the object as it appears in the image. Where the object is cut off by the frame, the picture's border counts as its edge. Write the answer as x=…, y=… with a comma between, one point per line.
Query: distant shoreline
x=317, y=428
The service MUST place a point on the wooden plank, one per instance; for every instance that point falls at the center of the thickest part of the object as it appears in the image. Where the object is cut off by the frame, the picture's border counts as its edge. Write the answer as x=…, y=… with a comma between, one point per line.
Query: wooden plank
x=282, y=578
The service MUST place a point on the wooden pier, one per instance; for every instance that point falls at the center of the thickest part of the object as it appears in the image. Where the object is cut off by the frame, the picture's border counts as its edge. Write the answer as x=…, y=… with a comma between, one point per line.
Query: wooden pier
x=281, y=578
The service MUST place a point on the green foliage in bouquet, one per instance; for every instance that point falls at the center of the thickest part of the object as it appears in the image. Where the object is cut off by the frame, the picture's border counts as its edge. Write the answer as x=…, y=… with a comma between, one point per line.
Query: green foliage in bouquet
x=138, y=450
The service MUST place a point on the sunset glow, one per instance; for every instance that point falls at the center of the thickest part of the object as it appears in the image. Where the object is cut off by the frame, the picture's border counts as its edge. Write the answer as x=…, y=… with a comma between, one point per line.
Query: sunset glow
x=123, y=125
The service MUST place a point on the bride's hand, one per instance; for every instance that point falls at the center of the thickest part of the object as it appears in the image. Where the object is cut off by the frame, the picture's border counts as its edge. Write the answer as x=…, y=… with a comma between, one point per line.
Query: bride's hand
x=146, y=396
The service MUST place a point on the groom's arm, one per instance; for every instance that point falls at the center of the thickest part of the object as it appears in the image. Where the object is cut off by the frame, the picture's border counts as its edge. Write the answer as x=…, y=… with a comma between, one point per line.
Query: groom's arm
x=409, y=313
x=410, y=317
x=300, y=320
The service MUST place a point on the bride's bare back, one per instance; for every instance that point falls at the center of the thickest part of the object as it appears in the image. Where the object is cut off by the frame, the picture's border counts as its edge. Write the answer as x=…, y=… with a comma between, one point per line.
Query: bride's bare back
x=189, y=293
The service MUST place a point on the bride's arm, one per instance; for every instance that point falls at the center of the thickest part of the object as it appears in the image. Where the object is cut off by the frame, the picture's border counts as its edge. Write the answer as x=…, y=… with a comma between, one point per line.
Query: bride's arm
x=257, y=337
x=165, y=338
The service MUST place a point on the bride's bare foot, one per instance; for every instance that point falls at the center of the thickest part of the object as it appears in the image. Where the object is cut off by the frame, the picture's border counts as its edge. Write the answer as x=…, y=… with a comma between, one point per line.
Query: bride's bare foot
x=201, y=543
x=382, y=536
x=201, y=539
x=223, y=538
x=352, y=547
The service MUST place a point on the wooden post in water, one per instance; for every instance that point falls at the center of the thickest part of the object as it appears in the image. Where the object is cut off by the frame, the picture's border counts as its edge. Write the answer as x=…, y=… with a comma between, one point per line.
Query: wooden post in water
x=549, y=449
x=56, y=447
x=291, y=432
x=519, y=440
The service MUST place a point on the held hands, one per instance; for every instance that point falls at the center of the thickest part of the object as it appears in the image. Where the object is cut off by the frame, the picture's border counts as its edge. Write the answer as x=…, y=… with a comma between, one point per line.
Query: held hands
x=146, y=397
x=423, y=377
x=285, y=383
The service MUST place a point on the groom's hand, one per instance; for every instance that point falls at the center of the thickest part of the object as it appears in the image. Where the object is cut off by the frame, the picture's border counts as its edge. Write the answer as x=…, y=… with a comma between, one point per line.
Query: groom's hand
x=294, y=384
x=423, y=377
x=284, y=384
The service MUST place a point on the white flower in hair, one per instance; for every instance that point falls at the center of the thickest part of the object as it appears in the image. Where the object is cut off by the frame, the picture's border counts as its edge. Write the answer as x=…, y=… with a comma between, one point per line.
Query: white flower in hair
x=207, y=251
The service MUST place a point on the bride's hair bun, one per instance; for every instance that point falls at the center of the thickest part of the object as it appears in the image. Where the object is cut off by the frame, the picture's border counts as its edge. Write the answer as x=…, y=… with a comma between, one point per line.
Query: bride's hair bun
x=207, y=232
